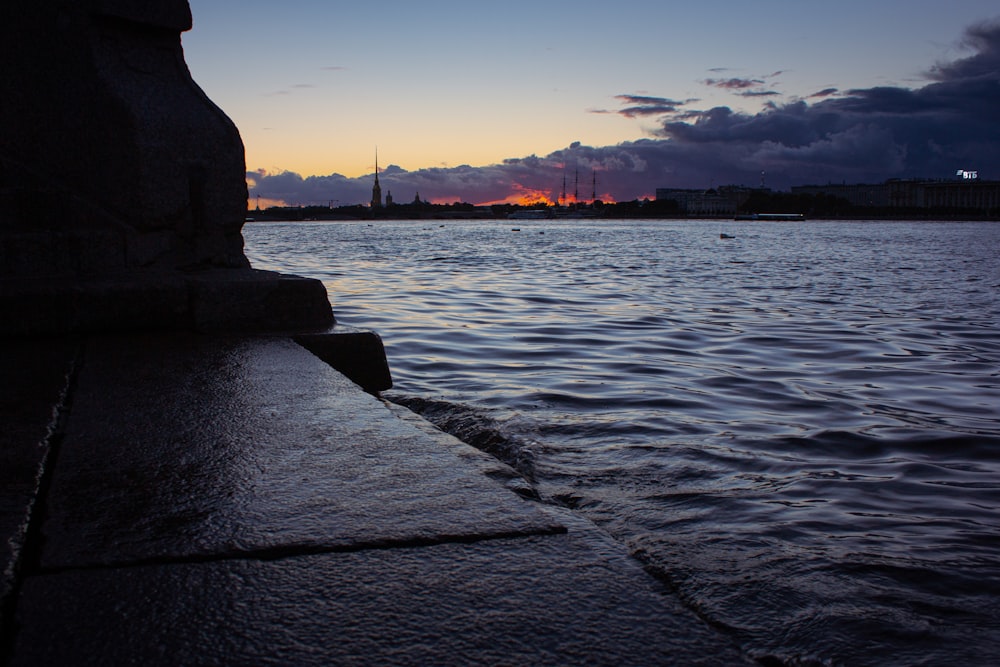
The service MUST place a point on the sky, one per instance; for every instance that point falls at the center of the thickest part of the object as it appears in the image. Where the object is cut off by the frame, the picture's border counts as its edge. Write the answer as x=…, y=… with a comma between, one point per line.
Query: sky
x=493, y=102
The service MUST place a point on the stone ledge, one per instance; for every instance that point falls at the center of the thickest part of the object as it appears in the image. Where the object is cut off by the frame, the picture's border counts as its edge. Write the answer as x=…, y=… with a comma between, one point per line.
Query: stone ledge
x=357, y=354
x=217, y=300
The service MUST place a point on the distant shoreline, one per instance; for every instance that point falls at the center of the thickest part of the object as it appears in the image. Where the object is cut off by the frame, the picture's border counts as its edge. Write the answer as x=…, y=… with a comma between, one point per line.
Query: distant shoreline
x=258, y=217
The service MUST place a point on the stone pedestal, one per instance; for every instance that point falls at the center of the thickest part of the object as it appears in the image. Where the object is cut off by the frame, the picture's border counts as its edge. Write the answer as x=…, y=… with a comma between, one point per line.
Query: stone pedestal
x=219, y=300
x=122, y=186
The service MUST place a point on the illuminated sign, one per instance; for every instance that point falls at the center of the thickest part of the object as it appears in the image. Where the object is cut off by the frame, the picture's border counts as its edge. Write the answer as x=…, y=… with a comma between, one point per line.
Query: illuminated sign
x=967, y=175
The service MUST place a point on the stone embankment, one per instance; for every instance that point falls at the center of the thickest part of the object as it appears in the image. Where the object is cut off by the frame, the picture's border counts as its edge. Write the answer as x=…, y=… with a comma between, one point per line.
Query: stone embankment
x=228, y=499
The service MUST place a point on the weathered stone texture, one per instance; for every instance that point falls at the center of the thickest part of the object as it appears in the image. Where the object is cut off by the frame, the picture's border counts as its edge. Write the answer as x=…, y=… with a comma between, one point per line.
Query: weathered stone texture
x=103, y=129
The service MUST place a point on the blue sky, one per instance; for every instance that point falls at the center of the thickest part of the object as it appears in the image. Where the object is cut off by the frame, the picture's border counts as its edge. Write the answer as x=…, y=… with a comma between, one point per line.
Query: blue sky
x=481, y=102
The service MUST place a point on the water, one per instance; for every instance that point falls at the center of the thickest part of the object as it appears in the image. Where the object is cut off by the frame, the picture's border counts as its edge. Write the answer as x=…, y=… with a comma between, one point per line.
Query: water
x=796, y=429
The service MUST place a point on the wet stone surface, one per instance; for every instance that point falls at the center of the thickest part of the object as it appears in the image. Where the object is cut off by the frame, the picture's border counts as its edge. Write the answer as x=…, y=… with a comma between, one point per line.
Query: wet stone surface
x=195, y=447
x=543, y=600
x=34, y=381
x=233, y=500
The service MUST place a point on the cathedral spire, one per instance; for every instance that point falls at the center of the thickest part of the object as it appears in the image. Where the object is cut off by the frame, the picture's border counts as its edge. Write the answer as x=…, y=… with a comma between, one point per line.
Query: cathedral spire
x=376, y=188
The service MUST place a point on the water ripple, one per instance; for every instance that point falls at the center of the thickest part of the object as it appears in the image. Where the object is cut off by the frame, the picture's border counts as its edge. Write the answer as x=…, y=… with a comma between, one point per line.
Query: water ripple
x=797, y=430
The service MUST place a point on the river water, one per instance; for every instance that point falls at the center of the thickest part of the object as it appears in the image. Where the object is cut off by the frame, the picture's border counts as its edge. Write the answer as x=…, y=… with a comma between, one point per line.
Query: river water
x=796, y=429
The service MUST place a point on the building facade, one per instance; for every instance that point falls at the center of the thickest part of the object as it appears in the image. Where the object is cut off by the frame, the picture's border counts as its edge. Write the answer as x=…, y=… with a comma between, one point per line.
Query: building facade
x=965, y=194
x=725, y=200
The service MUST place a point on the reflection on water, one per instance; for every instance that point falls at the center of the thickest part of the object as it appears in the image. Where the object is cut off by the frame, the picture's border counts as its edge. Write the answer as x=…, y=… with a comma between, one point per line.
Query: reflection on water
x=795, y=427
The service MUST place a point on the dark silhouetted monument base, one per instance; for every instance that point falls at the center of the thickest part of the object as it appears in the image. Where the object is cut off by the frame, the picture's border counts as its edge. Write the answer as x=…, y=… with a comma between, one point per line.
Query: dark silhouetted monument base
x=122, y=186
x=123, y=190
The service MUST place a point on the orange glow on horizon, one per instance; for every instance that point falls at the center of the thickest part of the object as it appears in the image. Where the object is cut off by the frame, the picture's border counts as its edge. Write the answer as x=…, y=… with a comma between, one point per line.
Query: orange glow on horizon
x=524, y=196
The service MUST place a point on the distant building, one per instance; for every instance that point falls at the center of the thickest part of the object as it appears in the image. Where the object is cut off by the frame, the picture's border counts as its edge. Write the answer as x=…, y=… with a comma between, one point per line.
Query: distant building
x=859, y=194
x=722, y=201
x=964, y=193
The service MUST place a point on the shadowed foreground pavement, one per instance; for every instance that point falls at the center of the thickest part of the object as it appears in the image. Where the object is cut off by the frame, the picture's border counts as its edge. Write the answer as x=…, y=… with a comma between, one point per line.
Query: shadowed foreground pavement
x=182, y=499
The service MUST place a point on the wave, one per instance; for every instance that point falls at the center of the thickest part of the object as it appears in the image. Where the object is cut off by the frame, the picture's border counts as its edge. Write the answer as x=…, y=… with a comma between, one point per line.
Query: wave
x=473, y=427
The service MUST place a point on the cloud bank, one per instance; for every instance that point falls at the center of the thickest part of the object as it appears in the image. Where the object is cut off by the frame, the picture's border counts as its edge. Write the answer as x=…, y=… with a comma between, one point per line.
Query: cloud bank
x=833, y=135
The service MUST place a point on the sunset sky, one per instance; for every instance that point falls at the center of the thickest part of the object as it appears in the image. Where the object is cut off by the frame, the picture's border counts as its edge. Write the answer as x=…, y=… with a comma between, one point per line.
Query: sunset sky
x=482, y=103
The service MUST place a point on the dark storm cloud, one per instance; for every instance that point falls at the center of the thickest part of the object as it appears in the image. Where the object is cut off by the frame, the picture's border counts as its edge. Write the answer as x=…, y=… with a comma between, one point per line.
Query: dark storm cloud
x=745, y=87
x=293, y=189
x=644, y=105
x=866, y=134
x=645, y=99
x=733, y=84
x=441, y=185
x=857, y=135
x=826, y=92
x=982, y=38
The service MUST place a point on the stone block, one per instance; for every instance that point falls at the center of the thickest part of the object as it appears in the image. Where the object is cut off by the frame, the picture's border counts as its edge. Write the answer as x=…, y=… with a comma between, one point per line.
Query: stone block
x=356, y=353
